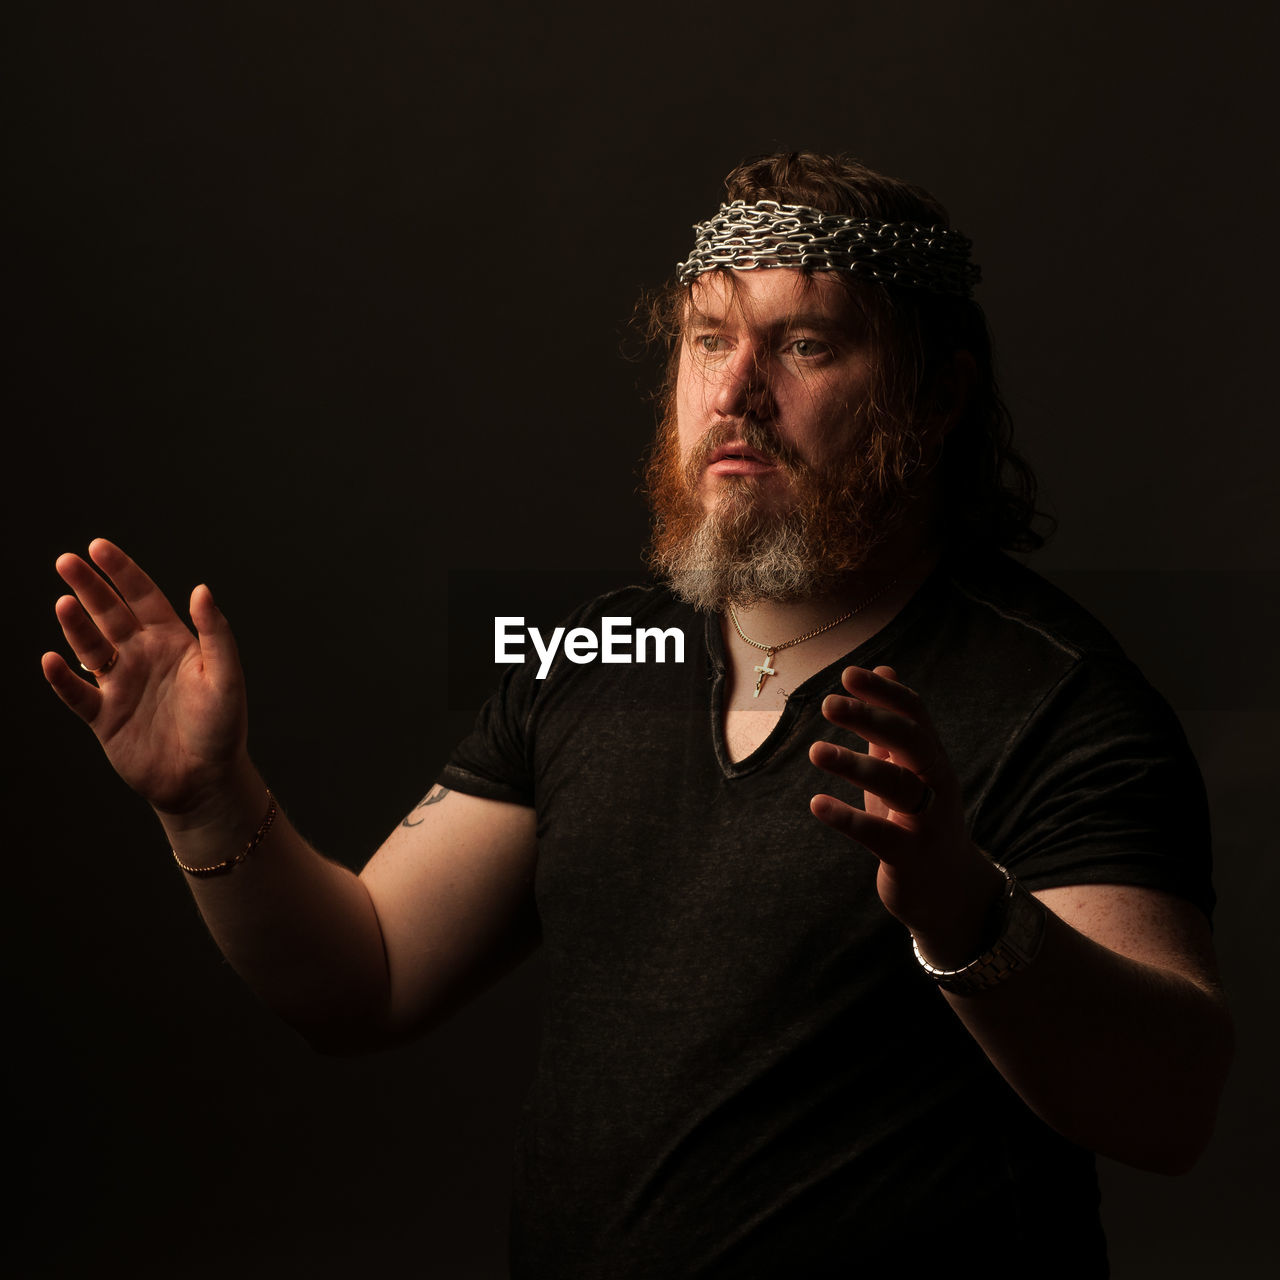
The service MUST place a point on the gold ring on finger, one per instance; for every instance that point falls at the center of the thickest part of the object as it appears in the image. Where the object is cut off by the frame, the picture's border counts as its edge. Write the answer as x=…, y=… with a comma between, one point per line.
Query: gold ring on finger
x=98, y=672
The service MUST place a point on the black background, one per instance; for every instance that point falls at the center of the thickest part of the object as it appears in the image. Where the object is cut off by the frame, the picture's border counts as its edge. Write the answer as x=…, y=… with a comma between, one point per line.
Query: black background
x=321, y=302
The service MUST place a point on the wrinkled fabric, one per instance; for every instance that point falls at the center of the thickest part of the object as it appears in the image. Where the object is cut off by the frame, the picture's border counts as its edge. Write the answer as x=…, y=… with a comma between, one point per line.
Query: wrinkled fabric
x=743, y=1071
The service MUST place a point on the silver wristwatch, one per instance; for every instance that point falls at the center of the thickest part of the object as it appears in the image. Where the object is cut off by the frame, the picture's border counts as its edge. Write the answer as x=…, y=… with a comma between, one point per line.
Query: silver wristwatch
x=1015, y=947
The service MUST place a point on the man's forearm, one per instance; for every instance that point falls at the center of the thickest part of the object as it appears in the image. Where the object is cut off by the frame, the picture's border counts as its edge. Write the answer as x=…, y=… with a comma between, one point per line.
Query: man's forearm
x=1118, y=1055
x=300, y=930
x=1116, y=1034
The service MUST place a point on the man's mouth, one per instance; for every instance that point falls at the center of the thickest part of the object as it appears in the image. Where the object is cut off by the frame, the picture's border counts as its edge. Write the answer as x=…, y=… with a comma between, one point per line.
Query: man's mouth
x=738, y=459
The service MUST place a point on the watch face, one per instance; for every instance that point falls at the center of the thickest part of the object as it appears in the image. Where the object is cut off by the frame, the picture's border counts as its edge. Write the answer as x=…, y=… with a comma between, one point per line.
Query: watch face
x=1024, y=928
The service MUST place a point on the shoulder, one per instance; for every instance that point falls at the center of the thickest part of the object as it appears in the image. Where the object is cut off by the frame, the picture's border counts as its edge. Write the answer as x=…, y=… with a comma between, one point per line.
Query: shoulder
x=563, y=673
x=993, y=626
x=614, y=627
x=1009, y=599
x=1010, y=648
x=1075, y=769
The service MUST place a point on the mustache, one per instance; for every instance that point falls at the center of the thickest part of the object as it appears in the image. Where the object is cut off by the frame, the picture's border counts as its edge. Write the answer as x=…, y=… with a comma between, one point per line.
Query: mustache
x=756, y=435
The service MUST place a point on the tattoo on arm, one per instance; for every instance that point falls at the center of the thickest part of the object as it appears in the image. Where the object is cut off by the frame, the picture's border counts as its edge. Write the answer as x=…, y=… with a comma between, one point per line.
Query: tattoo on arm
x=434, y=796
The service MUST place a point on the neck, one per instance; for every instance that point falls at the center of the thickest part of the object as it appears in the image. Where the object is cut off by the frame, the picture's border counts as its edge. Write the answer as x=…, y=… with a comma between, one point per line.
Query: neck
x=873, y=594
x=761, y=682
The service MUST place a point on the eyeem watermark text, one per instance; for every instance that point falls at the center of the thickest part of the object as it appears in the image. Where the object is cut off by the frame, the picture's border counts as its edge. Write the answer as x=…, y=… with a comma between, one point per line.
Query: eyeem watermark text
x=617, y=642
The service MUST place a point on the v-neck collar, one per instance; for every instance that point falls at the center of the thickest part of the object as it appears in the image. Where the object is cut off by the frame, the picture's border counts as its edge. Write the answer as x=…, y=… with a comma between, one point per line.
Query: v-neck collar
x=799, y=702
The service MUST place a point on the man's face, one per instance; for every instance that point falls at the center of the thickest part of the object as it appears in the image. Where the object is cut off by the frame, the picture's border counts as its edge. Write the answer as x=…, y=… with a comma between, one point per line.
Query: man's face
x=773, y=371
x=763, y=484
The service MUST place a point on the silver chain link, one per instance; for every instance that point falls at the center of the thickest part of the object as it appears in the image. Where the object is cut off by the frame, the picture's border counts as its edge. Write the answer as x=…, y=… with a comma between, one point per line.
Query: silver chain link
x=746, y=237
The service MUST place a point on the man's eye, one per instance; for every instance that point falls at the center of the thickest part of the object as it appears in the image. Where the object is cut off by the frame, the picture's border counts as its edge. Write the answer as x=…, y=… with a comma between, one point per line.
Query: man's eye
x=809, y=348
x=709, y=343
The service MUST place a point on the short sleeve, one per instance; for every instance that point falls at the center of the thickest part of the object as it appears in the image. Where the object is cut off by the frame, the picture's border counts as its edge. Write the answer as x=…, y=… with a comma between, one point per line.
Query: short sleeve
x=493, y=760
x=1100, y=787
x=496, y=759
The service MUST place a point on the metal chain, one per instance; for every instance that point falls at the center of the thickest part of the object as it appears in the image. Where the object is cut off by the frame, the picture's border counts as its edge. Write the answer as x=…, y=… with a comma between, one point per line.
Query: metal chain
x=771, y=649
x=746, y=237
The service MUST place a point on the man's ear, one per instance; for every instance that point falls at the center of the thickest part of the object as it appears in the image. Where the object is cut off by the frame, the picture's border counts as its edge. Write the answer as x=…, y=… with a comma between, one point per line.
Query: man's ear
x=951, y=391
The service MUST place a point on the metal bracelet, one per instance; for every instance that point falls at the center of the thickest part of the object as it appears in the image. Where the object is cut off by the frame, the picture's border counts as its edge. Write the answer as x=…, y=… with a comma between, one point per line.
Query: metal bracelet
x=1023, y=919
x=221, y=868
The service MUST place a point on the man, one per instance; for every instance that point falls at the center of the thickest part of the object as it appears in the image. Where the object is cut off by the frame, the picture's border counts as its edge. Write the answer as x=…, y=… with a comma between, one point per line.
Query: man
x=881, y=1026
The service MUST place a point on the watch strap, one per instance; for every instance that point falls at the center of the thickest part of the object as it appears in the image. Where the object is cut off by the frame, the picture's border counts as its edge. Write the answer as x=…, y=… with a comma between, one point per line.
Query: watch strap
x=1016, y=946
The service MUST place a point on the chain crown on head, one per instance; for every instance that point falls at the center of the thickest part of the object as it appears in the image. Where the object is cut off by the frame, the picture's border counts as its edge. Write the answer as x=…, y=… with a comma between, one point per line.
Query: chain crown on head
x=745, y=237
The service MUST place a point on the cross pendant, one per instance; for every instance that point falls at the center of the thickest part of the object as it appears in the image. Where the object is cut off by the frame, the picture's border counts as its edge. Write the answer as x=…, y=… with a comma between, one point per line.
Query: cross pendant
x=764, y=670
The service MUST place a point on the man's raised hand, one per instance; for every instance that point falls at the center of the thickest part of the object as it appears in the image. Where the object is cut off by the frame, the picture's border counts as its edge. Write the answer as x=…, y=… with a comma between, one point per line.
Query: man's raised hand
x=168, y=706
x=932, y=876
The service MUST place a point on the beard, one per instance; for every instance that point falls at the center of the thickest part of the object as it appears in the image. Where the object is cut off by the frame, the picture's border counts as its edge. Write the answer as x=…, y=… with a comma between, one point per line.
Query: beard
x=745, y=549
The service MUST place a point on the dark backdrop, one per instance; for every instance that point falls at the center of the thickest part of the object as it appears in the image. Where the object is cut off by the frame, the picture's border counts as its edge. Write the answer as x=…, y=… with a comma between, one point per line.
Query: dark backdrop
x=320, y=302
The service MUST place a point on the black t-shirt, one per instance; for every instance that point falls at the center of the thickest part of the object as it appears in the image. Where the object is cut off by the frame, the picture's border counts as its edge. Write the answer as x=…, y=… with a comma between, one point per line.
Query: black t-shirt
x=744, y=1073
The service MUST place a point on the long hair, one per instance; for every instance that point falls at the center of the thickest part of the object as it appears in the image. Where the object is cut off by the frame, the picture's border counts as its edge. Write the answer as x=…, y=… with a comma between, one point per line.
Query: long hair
x=988, y=489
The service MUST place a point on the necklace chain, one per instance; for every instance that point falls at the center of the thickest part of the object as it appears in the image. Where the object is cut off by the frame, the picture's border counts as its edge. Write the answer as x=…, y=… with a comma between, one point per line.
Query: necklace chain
x=769, y=650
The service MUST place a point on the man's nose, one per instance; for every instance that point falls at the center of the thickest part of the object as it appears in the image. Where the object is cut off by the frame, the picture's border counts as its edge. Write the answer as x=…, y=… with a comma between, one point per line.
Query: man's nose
x=741, y=384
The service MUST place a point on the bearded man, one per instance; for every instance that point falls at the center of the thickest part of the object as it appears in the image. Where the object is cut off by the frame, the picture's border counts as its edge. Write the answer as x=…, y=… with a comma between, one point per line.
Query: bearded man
x=884, y=1025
